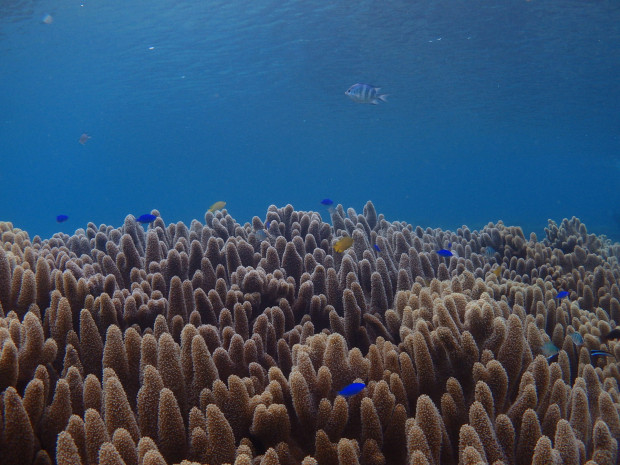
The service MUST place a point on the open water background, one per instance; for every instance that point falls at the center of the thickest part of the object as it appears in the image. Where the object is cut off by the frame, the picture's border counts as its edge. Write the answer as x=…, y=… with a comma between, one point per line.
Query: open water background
x=498, y=110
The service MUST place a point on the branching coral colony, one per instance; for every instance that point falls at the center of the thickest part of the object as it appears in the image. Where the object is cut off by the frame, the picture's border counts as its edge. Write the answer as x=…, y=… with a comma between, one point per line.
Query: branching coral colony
x=228, y=344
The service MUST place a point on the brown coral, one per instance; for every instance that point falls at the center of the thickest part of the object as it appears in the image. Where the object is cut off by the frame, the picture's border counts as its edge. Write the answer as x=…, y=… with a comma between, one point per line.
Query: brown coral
x=207, y=343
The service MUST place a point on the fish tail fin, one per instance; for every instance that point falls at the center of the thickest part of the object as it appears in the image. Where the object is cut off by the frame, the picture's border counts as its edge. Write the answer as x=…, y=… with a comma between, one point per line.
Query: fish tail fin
x=383, y=97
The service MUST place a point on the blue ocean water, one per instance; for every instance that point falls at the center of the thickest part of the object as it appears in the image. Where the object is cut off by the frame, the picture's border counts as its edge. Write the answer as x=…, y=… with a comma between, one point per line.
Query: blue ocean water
x=497, y=110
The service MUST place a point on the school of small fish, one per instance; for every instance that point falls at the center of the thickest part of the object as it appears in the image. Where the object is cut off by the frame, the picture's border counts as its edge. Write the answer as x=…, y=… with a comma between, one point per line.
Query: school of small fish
x=549, y=349
x=364, y=93
x=551, y=352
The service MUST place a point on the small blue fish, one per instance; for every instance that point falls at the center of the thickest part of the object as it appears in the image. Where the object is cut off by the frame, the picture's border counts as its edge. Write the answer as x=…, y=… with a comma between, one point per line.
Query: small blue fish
x=562, y=294
x=365, y=93
x=444, y=253
x=377, y=248
x=577, y=339
x=261, y=234
x=146, y=218
x=352, y=389
x=489, y=251
x=327, y=202
x=62, y=218
x=600, y=353
x=549, y=349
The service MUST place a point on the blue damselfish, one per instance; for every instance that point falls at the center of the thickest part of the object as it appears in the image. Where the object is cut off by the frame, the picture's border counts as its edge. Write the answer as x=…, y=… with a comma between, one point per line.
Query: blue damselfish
x=146, y=218
x=352, y=389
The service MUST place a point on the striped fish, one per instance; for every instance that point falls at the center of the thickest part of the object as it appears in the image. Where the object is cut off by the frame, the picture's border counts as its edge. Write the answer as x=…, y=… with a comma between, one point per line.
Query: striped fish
x=365, y=93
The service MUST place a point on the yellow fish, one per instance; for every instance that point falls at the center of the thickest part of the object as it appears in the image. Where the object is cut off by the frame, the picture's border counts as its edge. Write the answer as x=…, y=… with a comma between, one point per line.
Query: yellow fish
x=498, y=271
x=217, y=206
x=343, y=244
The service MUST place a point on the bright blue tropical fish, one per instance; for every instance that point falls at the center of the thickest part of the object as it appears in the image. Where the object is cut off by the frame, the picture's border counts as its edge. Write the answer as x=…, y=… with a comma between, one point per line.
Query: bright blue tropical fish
x=327, y=202
x=600, y=353
x=365, y=93
x=562, y=294
x=62, y=218
x=444, y=253
x=146, y=218
x=377, y=248
x=352, y=389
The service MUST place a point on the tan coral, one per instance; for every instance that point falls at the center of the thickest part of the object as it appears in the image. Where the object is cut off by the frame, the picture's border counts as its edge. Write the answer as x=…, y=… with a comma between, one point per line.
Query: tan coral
x=250, y=340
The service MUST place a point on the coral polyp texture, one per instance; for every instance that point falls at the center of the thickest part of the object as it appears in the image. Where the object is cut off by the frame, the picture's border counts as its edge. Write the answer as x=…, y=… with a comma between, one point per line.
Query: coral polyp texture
x=222, y=343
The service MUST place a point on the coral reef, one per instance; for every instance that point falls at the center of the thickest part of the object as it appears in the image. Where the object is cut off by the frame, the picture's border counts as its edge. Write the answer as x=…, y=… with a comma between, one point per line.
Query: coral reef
x=222, y=343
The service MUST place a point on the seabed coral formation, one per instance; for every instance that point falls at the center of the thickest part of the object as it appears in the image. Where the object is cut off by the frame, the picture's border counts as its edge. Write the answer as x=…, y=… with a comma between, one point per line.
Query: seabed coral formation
x=207, y=344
